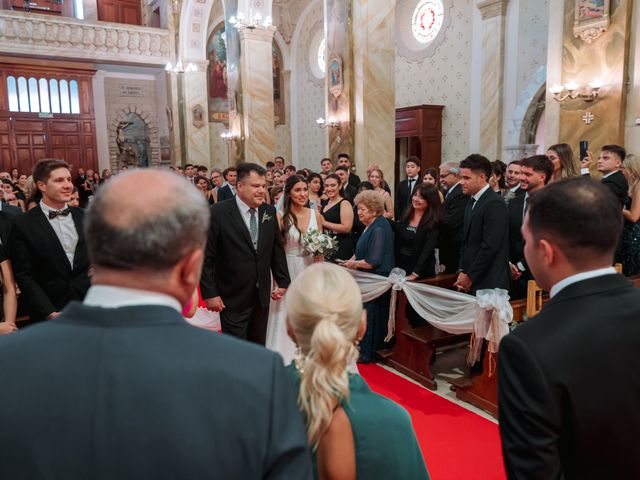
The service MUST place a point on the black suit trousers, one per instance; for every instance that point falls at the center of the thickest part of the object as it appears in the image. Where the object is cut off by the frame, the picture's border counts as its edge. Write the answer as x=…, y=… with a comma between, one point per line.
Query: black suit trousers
x=248, y=324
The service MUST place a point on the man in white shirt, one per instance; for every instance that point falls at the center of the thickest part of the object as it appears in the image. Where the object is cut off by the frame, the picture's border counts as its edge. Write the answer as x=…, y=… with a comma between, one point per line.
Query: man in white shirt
x=50, y=259
x=512, y=180
x=554, y=421
x=127, y=388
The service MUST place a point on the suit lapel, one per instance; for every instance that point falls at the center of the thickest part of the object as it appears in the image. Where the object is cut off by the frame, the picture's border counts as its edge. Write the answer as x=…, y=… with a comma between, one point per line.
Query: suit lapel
x=76, y=215
x=238, y=222
x=476, y=208
x=262, y=210
x=46, y=227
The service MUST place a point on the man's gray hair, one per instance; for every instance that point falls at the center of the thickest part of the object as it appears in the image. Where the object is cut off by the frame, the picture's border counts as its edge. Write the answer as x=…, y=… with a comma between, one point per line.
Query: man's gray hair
x=145, y=236
x=452, y=167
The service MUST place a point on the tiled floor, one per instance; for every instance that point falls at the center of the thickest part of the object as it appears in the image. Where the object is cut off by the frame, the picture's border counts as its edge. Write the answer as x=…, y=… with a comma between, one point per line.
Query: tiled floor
x=449, y=364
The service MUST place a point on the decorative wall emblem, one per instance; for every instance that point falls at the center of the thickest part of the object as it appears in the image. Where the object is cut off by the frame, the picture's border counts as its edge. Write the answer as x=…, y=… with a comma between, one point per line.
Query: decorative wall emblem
x=197, y=115
x=591, y=19
x=336, y=82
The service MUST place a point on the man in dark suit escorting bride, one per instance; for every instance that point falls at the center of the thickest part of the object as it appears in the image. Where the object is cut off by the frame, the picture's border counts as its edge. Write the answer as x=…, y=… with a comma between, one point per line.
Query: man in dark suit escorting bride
x=120, y=386
x=244, y=248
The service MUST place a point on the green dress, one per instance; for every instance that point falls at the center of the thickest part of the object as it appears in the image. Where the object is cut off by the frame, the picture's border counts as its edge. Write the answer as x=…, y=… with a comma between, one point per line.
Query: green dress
x=385, y=443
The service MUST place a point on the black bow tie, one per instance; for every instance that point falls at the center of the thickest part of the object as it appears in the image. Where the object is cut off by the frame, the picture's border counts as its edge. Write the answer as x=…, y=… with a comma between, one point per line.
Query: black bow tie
x=55, y=213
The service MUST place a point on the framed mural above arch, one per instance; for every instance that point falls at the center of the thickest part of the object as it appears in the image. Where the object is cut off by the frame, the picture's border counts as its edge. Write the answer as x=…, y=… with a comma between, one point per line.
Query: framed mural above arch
x=421, y=27
x=217, y=75
x=592, y=19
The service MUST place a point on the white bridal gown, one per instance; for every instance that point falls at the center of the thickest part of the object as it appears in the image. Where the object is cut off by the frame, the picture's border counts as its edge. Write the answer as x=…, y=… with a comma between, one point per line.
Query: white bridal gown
x=297, y=260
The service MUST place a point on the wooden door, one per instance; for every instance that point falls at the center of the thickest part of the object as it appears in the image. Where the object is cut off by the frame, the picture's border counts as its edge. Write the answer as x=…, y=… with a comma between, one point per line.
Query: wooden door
x=27, y=136
x=120, y=11
x=30, y=137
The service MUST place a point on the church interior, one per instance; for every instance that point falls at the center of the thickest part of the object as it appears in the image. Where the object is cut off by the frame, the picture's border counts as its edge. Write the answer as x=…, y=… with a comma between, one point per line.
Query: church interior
x=113, y=84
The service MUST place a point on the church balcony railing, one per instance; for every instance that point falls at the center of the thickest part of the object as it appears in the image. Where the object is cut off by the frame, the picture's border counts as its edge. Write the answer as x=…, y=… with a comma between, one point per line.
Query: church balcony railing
x=70, y=39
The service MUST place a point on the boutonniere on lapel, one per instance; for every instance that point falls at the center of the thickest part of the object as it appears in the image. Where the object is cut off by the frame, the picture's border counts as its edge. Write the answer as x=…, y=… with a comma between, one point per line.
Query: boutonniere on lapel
x=266, y=217
x=509, y=196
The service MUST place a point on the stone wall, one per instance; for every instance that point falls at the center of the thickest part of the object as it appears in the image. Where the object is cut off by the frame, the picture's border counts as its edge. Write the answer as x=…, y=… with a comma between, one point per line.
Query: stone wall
x=123, y=96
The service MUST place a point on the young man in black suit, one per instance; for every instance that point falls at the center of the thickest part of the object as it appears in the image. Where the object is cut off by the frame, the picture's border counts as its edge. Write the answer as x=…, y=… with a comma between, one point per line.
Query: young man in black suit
x=123, y=385
x=243, y=249
x=610, y=165
x=228, y=190
x=455, y=203
x=50, y=260
x=484, y=256
x=555, y=419
x=345, y=161
x=536, y=173
x=406, y=188
x=348, y=191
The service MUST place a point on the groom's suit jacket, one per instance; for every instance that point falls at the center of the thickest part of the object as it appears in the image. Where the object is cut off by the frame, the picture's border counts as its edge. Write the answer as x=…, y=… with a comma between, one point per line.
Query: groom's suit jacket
x=232, y=268
x=137, y=393
x=42, y=269
x=555, y=421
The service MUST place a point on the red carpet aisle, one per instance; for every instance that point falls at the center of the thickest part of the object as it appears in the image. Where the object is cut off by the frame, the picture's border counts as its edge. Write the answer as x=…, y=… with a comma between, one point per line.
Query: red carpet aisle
x=456, y=443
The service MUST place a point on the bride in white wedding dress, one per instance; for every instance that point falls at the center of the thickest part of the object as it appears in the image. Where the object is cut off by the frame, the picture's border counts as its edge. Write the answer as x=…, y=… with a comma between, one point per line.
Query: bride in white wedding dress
x=295, y=220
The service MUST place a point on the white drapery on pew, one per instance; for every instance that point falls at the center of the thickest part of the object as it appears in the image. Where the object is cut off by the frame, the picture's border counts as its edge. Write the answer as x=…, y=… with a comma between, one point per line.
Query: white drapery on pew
x=487, y=315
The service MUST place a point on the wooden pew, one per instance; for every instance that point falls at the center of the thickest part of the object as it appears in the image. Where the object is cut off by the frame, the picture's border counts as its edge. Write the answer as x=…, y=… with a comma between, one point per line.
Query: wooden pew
x=415, y=348
x=482, y=390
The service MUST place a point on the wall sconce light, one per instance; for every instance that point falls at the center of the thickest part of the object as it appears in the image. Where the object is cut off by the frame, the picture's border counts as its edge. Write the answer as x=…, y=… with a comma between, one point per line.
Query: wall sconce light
x=573, y=90
x=228, y=137
x=180, y=68
x=330, y=123
x=256, y=21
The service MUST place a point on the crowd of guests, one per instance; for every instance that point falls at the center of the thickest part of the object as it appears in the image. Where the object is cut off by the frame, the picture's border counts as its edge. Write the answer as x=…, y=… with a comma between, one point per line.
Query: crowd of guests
x=466, y=218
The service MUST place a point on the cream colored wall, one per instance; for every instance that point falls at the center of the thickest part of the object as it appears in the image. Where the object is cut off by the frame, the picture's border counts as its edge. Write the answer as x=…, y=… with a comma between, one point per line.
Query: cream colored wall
x=444, y=79
x=307, y=97
x=632, y=131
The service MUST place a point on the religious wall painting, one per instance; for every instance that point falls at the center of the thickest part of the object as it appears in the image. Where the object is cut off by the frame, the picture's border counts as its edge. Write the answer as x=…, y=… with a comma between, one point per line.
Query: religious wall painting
x=592, y=19
x=336, y=82
x=133, y=140
x=278, y=86
x=217, y=75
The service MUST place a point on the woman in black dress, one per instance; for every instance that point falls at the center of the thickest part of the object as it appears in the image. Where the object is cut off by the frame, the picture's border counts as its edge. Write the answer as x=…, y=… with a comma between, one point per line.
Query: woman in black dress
x=417, y=233
x=338, y=217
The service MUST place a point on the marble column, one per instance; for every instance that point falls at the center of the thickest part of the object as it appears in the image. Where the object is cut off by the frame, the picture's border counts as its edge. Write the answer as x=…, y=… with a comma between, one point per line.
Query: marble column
x=374, y=85
x=606, y=59
x=256, y=75
x=339, y=74
x=493, y=14
x=196, y=117
x=286, y=74
x=90, y=8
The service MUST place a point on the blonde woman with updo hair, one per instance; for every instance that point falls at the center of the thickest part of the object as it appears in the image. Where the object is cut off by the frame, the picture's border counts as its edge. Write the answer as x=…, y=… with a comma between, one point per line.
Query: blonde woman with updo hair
x=353, y=432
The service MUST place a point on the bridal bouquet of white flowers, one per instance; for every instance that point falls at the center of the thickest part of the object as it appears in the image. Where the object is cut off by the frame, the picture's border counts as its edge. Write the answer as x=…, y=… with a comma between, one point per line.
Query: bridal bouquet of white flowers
x=319, y=244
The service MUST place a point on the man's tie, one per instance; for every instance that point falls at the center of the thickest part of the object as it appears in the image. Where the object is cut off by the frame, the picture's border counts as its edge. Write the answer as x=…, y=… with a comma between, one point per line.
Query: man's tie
x=525, y=206
x=54, y=213
x=253, y=228
x=411, y=180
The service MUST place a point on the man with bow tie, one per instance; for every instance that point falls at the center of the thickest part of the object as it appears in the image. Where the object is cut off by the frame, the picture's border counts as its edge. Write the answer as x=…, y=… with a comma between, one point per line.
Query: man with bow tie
x=406, y=188
x=50, y=259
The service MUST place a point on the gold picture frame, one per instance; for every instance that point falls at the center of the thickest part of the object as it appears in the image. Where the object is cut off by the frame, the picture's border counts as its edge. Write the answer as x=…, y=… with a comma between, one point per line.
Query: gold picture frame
x=592, y=19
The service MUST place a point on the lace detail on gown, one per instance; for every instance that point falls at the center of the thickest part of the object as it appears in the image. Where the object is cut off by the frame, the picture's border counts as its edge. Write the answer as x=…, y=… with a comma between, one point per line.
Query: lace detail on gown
x=297, y=260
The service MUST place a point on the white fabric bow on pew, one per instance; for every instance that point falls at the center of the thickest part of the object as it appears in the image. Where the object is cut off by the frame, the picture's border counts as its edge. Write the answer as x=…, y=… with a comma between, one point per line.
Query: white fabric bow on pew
x=487, y=315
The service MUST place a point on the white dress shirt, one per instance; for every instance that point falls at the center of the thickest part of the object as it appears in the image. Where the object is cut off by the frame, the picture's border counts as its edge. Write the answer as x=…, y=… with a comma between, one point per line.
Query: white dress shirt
x=246, y=215
x=65, y=230
x=109, y=296
x=477, y=196
x=609, y=174
x=449, y=190
x=578, y=277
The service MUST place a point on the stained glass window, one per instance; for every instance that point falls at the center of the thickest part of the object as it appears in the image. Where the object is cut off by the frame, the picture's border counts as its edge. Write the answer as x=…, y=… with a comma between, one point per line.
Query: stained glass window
x=427, y=20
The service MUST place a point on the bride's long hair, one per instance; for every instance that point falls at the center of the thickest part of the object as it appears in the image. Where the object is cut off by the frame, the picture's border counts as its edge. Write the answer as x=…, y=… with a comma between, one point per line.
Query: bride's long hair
x=288, y=217
x=324, y=311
